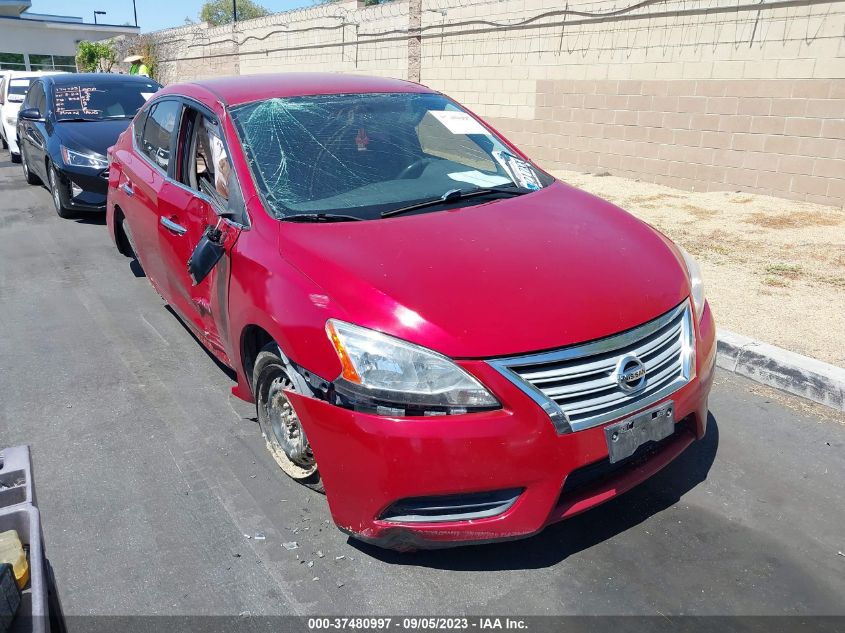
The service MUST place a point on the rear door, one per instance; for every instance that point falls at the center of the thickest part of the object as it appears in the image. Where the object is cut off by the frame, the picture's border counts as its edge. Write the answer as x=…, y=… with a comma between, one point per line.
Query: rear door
x=207, y=190
x=145, y=191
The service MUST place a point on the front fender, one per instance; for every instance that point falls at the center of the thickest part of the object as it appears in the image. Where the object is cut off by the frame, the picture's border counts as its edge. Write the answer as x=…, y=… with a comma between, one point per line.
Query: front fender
x=267, y=291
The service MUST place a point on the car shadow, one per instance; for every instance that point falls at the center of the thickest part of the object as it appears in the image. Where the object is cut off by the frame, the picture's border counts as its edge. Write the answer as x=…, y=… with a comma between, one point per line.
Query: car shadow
x=561, y=540
x=226, y=370
x=94, y=219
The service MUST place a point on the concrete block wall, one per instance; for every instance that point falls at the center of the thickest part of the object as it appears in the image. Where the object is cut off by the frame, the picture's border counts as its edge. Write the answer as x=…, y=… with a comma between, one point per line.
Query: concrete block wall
x=707, y=95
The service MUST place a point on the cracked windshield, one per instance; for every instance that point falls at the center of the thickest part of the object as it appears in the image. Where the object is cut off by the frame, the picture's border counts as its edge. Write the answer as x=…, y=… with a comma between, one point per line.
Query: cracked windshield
x=365, y=156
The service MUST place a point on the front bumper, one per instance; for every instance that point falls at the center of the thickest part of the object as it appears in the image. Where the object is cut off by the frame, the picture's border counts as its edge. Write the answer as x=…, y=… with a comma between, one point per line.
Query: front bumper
x=370, y=462
x=93, y=183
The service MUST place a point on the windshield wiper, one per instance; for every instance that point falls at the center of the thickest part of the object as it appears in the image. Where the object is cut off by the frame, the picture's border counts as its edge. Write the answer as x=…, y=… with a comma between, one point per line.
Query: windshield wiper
x=320, y=217
x=456, y=194
x=78, y=119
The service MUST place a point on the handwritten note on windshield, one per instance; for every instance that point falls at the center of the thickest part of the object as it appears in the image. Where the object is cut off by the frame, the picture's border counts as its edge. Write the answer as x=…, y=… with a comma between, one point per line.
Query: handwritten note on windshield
x=74, y=100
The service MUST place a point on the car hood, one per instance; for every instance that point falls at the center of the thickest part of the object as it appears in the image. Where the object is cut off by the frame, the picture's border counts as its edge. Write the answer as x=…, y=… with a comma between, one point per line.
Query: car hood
x=91, y=136
x=544, y=270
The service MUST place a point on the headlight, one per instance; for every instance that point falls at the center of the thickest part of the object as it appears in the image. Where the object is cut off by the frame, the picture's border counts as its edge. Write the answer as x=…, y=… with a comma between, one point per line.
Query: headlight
x=695, y=282
x=78, y=159
x=389, y=376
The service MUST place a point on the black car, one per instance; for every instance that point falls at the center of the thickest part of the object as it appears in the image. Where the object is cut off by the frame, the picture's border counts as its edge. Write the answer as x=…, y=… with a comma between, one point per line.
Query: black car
x=65, y=126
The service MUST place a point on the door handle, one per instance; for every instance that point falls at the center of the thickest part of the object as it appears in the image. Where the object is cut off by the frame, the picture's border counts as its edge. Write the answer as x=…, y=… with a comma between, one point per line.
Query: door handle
x=171, y=226
x=127, y=189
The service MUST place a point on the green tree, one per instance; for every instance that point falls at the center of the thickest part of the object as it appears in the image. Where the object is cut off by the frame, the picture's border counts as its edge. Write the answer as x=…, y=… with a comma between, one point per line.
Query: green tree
x=95, y=56
x=217, y=12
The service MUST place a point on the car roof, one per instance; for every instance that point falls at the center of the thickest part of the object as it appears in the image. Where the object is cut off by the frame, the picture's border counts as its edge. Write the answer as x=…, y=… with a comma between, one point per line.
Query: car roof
x=247, y=88
x=74, y=78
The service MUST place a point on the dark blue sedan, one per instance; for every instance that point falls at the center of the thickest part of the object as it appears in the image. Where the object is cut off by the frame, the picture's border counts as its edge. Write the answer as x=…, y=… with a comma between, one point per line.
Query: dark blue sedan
x=65, y=126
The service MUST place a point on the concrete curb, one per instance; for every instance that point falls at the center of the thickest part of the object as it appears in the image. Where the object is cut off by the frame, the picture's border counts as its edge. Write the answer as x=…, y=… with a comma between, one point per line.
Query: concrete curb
x=781, y=369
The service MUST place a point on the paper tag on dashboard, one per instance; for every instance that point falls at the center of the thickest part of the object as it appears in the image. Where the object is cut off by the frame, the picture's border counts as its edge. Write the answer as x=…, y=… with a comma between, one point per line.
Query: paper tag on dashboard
x=458, y=122
x=520, y=171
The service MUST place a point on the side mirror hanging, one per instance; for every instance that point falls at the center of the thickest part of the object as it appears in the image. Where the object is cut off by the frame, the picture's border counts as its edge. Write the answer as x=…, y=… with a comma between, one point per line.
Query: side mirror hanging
x=207, y=253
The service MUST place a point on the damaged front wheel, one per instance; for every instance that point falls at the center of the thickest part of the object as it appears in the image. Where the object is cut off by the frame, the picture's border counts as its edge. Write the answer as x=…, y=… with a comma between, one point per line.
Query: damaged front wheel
x=279, y=422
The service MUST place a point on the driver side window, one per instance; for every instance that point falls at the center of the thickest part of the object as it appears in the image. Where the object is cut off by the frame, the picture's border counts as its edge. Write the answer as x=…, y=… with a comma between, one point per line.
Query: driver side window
x=34, y=95
x=206, y=166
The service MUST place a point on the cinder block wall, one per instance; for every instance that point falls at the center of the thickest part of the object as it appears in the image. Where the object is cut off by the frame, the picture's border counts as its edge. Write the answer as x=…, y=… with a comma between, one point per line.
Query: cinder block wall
x=707, y=95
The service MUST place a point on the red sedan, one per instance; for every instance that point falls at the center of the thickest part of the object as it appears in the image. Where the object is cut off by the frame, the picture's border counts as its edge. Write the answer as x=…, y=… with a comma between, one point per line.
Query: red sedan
x=452, y=344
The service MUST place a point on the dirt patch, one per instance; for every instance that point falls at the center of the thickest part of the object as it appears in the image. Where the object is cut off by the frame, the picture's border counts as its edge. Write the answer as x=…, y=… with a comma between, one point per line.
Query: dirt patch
x=773, y=269
x=793, y=220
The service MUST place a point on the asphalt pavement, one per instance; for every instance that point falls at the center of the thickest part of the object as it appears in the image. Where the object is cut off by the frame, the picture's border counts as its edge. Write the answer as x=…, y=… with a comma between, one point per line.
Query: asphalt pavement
x=154, y=482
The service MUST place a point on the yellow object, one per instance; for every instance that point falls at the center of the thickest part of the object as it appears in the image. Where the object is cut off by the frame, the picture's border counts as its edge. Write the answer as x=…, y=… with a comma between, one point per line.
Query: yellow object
x=11, y=551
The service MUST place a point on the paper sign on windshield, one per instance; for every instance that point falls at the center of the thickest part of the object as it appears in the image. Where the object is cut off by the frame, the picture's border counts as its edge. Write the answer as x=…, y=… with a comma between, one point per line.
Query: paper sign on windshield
x=479, y=179
x=458, y=122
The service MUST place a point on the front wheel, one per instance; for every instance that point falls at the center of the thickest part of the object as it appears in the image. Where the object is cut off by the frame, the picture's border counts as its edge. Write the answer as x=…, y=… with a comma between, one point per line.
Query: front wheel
x=56, y=193
x=280, y=425
x=30, y=178
x=16, y=158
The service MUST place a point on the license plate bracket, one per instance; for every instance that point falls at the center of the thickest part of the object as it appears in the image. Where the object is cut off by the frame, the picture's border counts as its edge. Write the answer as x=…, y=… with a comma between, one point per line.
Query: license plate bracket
x=625, y=437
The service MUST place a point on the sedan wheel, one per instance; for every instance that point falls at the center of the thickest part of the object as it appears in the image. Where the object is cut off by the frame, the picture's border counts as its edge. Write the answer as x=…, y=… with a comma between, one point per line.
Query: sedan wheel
x=56, y=193
x=30, y=178
x=279, y=422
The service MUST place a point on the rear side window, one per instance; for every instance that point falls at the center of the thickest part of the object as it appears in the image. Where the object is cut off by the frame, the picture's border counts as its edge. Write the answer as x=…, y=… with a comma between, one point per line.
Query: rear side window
x=157, y=138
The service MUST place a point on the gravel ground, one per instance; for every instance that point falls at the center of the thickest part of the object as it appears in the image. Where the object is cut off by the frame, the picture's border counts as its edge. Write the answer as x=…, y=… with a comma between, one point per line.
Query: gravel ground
x=773, y=269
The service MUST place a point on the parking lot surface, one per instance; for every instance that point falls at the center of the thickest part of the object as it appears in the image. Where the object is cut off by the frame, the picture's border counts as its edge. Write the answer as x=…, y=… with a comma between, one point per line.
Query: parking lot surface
x=153, y=481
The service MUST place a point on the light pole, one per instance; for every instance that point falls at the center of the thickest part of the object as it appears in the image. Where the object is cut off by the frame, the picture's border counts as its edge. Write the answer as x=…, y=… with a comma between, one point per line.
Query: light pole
x=135, y=11
x=234, y=10
x=96, y=13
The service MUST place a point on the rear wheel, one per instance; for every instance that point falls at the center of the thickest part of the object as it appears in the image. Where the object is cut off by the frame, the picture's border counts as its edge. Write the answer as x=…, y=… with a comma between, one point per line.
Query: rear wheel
x=16, y=158
x=130, y=243
x=56, y=193
x=5, y=144
x=280, y=425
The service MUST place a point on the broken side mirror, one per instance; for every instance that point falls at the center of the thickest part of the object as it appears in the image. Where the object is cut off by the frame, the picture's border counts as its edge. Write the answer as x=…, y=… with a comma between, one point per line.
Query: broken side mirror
x=207, y=253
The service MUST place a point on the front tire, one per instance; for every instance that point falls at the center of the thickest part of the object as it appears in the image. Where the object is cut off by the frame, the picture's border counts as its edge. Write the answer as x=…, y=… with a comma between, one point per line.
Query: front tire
x=56, y=194
x=16, y=158
x=279, y=423
x=31, y=179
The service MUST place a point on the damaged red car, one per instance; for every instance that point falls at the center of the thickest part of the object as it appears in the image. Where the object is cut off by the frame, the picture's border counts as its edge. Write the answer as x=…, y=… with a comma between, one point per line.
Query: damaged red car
x=452, y=344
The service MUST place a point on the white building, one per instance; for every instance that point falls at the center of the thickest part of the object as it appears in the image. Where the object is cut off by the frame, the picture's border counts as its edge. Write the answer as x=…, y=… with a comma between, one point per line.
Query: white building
x=34, y=41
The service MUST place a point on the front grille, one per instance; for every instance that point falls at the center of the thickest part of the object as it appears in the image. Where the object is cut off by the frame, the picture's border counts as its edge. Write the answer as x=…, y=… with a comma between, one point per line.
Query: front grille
x=578, y=386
